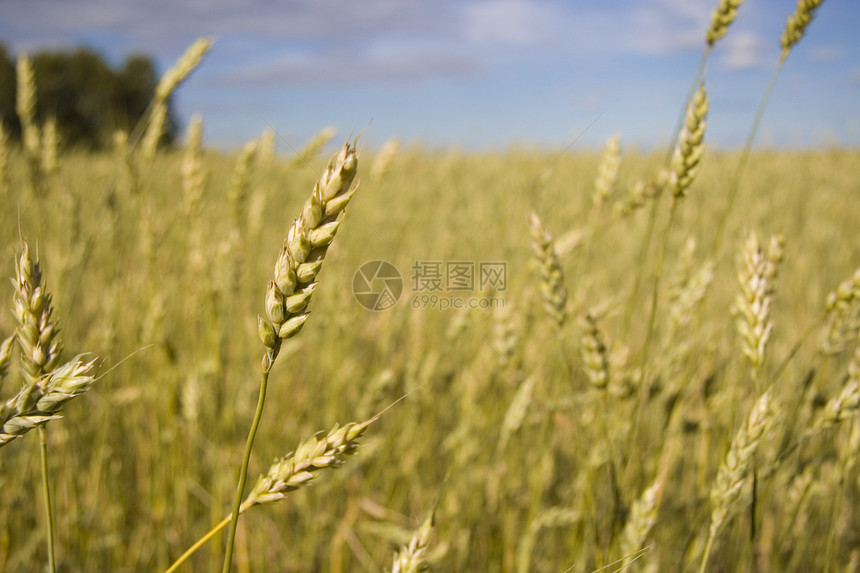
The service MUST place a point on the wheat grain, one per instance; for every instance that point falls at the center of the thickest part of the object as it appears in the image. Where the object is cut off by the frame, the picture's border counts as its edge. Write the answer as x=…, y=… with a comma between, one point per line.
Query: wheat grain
x=752, y=304
x=297, y=469
x=34, y=407
x=382, y=164
x=846, y=404
x=304, y=250
x=640, y=193
x=594, y=353
x=50, y=145
x=238, y=191
x=4, y=161
x=643, y=516
x=412, y=557
x=737, y=464
x=187, y=63
x=168, y=83
x=266, y=153
x=313, y=147
x=25, y=106
x=691, y=145
x=552, y=289
x=607, y=171
x=721, y=18
x=795, y=25
x=842, y=308
x=6, y=348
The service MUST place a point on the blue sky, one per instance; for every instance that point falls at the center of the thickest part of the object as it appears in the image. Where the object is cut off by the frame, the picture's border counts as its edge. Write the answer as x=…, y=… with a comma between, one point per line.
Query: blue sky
x=474, y=73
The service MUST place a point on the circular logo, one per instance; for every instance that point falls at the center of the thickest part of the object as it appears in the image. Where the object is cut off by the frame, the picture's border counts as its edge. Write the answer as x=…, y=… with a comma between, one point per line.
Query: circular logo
x=377, y=285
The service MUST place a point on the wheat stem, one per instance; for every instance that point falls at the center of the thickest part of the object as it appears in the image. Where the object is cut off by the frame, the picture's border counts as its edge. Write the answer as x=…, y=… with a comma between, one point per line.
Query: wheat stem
x=243, y=472
x=46, y=490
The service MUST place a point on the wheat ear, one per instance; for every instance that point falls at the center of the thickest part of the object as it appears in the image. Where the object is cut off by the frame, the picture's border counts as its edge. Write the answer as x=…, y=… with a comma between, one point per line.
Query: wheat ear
x=290, y=291
x=691, y=145
x=643, y=516
x=721, y=18
x=736, y=467
x=46, y=387
x=795, y=25
x=607, y=171
x=552, y=289
x=295, y=470
x=168, y=83
x=412, y=557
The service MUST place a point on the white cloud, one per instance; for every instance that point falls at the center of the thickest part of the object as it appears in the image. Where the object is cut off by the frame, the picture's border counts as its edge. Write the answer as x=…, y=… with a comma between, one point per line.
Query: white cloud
x=510, y=22
x=826, y=53
x=742, y=51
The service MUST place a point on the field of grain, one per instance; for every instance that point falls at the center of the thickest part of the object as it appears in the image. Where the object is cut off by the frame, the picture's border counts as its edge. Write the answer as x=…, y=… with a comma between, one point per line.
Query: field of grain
x=654, y=373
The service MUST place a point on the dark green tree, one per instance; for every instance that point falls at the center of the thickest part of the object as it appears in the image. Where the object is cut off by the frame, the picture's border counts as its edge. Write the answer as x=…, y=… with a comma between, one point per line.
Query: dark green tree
x=88, y=98
x=7, y=95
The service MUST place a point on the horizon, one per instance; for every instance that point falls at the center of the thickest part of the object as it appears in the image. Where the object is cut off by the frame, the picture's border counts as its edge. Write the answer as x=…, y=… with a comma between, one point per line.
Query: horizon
x=477, y=75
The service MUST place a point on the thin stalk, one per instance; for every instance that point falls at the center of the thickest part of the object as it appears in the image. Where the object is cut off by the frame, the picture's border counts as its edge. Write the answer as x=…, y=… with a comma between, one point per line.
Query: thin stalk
x=652, y=314
x=46, y=489
x=243, y=472
x=707, y=553
x=736, y=178
x=652, y=217
x=200, y=543
x=640, y=267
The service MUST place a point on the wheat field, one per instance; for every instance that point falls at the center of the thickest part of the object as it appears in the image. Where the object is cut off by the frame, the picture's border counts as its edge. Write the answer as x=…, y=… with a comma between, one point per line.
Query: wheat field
x=666, y=378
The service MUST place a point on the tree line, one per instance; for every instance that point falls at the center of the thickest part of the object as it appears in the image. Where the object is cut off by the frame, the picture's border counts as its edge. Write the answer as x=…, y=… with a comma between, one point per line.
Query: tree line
x=88, y=98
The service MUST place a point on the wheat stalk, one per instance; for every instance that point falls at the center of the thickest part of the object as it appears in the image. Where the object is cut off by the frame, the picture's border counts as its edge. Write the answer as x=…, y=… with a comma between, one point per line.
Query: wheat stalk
x=4, y=160
x=552, y=289
x=50, y=146
x=168, y=83
x=691, y=145
x=735, y=469
x=607, y=171
x=293, y=471
x=290, y=291
x=46, y=387
x=847, y=404
x=643, y=516
x=303, y=252
x=412, y=557
x=752, y=304
x=594, y=353
x=266, y=153
x=842, y=308
x=313, y=147
x=382, y=164
x=25, y=106
x=795, y=25
x=721, y=18
x=298, y=468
